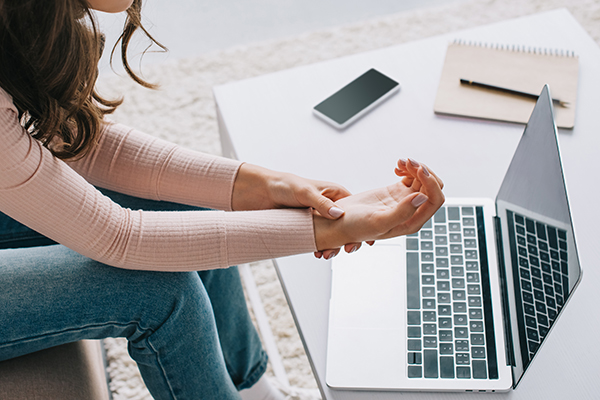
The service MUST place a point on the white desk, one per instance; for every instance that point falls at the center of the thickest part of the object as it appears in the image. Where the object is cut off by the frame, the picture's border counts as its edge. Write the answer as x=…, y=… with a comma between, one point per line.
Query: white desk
x=268, y=121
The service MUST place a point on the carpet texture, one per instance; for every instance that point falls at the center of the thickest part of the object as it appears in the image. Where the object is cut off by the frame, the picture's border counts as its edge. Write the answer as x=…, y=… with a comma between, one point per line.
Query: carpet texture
x=183, y=111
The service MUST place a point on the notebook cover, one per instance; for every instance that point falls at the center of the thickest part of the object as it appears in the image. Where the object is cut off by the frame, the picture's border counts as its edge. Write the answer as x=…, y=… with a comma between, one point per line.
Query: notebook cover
x=522, y=69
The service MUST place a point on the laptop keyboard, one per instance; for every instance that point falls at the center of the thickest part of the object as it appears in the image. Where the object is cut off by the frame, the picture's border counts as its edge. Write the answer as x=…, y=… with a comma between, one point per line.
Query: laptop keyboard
x=541, y=274
x=448, y=302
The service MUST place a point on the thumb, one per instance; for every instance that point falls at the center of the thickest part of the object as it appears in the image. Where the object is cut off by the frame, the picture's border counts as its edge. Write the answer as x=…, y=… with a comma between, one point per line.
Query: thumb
x=325, y=206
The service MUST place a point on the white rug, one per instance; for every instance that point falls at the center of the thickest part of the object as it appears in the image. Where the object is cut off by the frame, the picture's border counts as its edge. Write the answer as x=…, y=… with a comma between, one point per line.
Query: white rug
x=183, y=111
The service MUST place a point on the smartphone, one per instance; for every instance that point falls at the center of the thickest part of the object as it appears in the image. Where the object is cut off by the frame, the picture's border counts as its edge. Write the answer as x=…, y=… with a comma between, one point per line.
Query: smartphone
x=356, y=99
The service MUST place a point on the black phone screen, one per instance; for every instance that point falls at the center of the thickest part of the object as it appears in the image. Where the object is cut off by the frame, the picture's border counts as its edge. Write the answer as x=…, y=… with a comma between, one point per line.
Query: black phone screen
x=356, y=96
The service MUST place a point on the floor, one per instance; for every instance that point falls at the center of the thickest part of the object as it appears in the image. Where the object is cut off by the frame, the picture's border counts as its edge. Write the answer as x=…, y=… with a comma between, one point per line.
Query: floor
x=192, y=27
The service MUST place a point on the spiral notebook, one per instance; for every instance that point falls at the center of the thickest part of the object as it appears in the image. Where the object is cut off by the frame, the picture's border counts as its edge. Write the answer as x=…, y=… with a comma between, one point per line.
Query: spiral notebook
x=516, y=68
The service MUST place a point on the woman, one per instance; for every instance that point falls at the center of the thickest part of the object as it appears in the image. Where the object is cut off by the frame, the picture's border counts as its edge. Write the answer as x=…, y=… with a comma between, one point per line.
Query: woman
x=129, y=254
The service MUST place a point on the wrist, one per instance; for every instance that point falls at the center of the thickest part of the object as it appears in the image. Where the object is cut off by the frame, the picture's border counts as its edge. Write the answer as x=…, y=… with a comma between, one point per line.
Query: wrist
x=328, y=233
x=250, y=188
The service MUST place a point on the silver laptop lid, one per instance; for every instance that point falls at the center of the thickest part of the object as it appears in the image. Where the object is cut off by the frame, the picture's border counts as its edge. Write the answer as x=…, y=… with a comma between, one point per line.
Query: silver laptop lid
x=540, y=257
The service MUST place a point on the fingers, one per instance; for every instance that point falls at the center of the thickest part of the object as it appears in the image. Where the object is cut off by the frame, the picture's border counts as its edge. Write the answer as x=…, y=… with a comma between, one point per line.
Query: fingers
x=409, y=168
x=323, y=204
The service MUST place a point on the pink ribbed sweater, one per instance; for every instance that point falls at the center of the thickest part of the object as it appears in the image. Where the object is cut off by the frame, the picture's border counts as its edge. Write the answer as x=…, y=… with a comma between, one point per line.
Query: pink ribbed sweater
x=58, y=200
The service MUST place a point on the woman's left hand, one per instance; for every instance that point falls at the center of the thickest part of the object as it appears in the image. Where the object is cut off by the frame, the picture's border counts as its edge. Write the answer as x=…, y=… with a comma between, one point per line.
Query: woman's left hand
x=258, y=188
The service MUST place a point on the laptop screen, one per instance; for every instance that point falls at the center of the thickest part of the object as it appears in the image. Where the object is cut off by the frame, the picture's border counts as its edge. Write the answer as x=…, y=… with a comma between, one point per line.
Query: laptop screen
x=540, y=256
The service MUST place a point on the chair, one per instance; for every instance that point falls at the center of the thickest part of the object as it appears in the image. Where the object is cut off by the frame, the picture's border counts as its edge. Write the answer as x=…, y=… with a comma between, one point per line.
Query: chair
x=73, y=371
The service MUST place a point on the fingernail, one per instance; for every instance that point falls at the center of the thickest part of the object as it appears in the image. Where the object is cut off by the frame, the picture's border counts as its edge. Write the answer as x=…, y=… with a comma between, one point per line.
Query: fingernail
x=336, y=212
x=353, y=249
x=419, y=199
x=414, y=163
x=330, y=256
x=402, y=161
x=425, y=171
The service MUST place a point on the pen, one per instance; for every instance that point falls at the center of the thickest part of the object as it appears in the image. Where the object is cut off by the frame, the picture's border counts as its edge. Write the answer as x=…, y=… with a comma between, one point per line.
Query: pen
x=511, y=91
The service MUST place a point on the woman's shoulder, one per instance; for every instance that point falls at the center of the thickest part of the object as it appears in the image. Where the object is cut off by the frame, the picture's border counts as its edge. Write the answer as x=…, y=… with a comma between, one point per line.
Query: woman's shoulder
x=6, y=100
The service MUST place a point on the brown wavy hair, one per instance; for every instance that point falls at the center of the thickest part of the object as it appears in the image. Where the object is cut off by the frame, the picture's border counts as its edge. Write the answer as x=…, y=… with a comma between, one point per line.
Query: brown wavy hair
x=49, y=54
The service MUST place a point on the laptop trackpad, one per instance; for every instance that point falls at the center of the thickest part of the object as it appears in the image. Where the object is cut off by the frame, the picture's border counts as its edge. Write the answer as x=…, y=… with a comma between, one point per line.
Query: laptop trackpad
x=367, y=318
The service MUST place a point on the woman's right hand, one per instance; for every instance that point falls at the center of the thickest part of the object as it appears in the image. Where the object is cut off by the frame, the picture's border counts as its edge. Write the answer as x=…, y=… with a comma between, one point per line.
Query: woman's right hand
x=398, y=209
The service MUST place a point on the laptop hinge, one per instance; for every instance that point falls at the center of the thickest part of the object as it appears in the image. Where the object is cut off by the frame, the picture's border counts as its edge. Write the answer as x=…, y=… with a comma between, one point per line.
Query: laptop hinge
x=510, y=360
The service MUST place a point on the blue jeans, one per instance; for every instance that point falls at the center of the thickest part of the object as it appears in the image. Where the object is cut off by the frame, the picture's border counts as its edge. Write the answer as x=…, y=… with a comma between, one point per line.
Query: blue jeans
x=189, y=332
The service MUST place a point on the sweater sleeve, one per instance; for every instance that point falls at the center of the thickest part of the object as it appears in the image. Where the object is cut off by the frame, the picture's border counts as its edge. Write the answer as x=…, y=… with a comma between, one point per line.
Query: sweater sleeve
x=134, y=163
x=49, y=196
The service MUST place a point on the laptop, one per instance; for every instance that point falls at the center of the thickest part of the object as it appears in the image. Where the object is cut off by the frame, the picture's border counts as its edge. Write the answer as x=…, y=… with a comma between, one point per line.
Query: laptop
x=466, y=303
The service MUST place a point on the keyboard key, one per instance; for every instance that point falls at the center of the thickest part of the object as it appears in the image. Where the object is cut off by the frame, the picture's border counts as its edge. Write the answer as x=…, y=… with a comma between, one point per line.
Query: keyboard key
x=445, y=323
x=479, y=369
x=473, y=289
x=441, y=240
x=428, y=291
x=462, y=345
x=458, y=283
x=468, y=221
x=456, y=238
x=468, y=211
x=519, y=219
x=443, y=274
x=460, y=319
x=446, y=336
x=427, y=268
x=476, y=326
x=428, y=304
x=430, y=364
x=453, y=214
x=463, y=359
x=426, y=234
x=429, y=316
x=529, y=309
x=463, y=372
x=471, y=254
x=461, y=333
x=456, y=248
x=530, y=225
x=475, y=313
x=426, y=246
x=454, y=227
x=477, y=339
x=459, y=307
x=528, y=297
x=469, y=232
x=470, y=243
x=429, y=329
x=415, y=371
x=440, y=215
x=456, y=260
x=429, y=341
x=414, y=318
x=447, y=367
x=442, y=262
x=459, y=295
x=457, y=271
x=413, y=299
x=552, y=237
x=414, y=345
x=475, y=301
x=415, y=358
x=478, y=352
x=412, y=244
x=428, y=279
x=440, y=230
x=473, y=277
x=446, y=348
x=443, y=286
x=532, y=334
x=444, y=310
x=414, y=332
x=541, y=230
x=444, y=298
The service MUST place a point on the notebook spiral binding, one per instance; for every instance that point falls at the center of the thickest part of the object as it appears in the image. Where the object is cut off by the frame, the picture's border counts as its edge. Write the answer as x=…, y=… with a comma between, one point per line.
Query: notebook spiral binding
x=517, y=48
